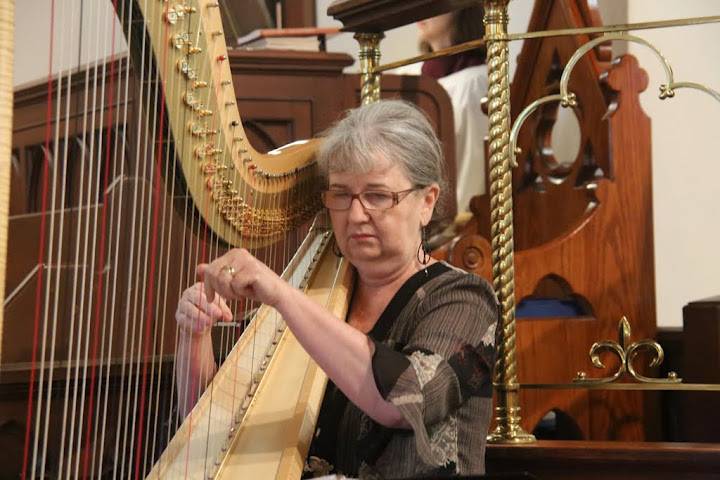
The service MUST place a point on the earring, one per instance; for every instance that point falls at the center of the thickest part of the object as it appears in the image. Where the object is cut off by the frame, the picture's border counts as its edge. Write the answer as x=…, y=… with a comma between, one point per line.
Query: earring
x=423, y=254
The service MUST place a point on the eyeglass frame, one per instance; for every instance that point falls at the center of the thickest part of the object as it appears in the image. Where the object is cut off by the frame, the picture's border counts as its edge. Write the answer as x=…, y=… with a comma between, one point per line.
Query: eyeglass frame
x=395, y=198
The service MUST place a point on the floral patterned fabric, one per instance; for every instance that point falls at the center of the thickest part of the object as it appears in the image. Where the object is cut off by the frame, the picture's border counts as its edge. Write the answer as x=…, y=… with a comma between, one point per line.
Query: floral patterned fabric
x=435, y=349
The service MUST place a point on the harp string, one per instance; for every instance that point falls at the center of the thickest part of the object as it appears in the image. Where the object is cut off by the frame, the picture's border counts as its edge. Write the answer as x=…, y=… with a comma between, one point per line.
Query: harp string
x=101, y=258
x=109, y=303
x=83, y=253
x=41, y=254
x=120, y=179
x=47, y=365
x=146, y=140
x=84, y=206
x=205, y=244
x=149, y=271
x=66, y=167
x=89, y=242
x=140, y=98
x=162, y=302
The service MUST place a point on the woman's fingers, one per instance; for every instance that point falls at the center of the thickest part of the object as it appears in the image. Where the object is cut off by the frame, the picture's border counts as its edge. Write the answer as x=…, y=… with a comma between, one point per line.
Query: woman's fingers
x=225, y=311
x=203, y=272
x=216, y=309
x=196, y=314
x=191, y=318
x=236, y=275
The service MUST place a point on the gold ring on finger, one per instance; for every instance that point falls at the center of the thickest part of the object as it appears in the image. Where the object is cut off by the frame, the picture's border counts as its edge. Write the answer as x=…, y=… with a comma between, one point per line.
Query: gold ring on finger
x=229, y=269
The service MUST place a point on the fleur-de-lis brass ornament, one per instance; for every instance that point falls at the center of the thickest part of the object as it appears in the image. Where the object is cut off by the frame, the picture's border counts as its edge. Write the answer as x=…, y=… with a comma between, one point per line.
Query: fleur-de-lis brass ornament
x=626, y=353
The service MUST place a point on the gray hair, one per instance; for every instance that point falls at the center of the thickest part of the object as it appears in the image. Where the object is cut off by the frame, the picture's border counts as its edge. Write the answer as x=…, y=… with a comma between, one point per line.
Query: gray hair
x=392, y=129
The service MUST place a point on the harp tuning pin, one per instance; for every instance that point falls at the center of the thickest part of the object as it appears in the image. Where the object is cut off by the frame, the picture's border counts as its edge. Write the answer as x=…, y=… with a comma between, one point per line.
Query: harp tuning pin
x=216, y=33
x=194, y=50
x=229, y=104
x=186, y=8
x=234, y=124
x=184, y=67
x=207, y=150
x=225, y=83
x=190, y=101
x=172, y=16
x=238, y=139
x=199, y=84
x=200, y=130
x=203, y=112
x=180, y=40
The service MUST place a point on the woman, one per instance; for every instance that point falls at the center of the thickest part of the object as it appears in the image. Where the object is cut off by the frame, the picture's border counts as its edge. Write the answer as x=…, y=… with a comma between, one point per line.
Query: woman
x=464, y=77
x=415, y=354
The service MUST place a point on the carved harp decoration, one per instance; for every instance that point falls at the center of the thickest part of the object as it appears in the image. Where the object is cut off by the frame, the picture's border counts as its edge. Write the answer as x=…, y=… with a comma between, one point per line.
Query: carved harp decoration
x=144, y=172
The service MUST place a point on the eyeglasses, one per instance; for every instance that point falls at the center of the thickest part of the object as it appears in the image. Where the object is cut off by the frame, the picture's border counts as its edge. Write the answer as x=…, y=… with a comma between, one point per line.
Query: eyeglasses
x=369, y=199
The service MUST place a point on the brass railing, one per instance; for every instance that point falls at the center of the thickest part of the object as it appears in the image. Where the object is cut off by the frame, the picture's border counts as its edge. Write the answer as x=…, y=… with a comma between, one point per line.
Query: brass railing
x=502, y=151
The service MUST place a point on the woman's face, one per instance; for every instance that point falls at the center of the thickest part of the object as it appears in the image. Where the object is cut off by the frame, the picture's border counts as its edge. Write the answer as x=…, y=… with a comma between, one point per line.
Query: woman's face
x=436, y=31
x=381, y=240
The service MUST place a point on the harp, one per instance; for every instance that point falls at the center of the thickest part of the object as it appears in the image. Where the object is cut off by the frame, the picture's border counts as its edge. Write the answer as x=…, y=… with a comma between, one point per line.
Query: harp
x=141, y=180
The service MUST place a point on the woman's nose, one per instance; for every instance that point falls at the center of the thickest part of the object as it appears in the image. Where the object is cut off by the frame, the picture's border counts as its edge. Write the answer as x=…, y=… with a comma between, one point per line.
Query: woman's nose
x=357, y=212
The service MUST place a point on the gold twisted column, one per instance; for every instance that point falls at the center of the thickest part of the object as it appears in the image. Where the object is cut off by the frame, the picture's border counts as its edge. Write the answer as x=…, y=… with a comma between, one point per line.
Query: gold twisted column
x=508, y=429
x=369, y=56
x=7, y=19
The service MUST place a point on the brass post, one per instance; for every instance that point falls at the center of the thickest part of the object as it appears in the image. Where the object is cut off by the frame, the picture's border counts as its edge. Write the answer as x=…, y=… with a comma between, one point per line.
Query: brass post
x=369, y=56
x=508, y=429
x=7, y=24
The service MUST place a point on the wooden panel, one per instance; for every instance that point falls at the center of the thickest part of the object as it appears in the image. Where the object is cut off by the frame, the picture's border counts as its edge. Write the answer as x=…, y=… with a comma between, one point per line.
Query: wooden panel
x=535, y=338
x=699, y=415
x=298, y=13
x=271, y=123
x=573, y=222
x=604, y=460
x=282, y=95
x=608, y=259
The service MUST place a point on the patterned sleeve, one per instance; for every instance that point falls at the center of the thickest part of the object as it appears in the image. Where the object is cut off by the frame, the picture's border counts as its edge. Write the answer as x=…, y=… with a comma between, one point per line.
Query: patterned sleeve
x=448, y=359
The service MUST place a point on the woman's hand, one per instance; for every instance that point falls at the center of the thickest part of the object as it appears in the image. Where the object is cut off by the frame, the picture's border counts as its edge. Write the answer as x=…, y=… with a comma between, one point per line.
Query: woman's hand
x=195, y=314
x=238, y=274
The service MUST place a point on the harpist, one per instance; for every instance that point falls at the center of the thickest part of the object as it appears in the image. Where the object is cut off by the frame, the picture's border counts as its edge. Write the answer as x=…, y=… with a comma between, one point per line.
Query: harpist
x=411, y=367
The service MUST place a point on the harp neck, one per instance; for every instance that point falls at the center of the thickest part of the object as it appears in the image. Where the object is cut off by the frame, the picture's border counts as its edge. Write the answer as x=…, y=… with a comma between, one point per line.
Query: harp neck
x=245, y=197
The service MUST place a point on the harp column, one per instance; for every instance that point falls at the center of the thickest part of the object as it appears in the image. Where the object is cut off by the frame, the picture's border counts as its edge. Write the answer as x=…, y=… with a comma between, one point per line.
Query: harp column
x=7, y=22
x=369, y=56
x=507, y=410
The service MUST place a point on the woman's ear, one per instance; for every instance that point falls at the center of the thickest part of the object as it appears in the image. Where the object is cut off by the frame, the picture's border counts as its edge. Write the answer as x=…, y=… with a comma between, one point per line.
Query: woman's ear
x=431, y=194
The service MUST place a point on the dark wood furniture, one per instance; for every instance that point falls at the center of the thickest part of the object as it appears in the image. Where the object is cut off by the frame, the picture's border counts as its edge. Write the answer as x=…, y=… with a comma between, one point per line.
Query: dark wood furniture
x=380, y=16
x=699, y=416
x=566, y=460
